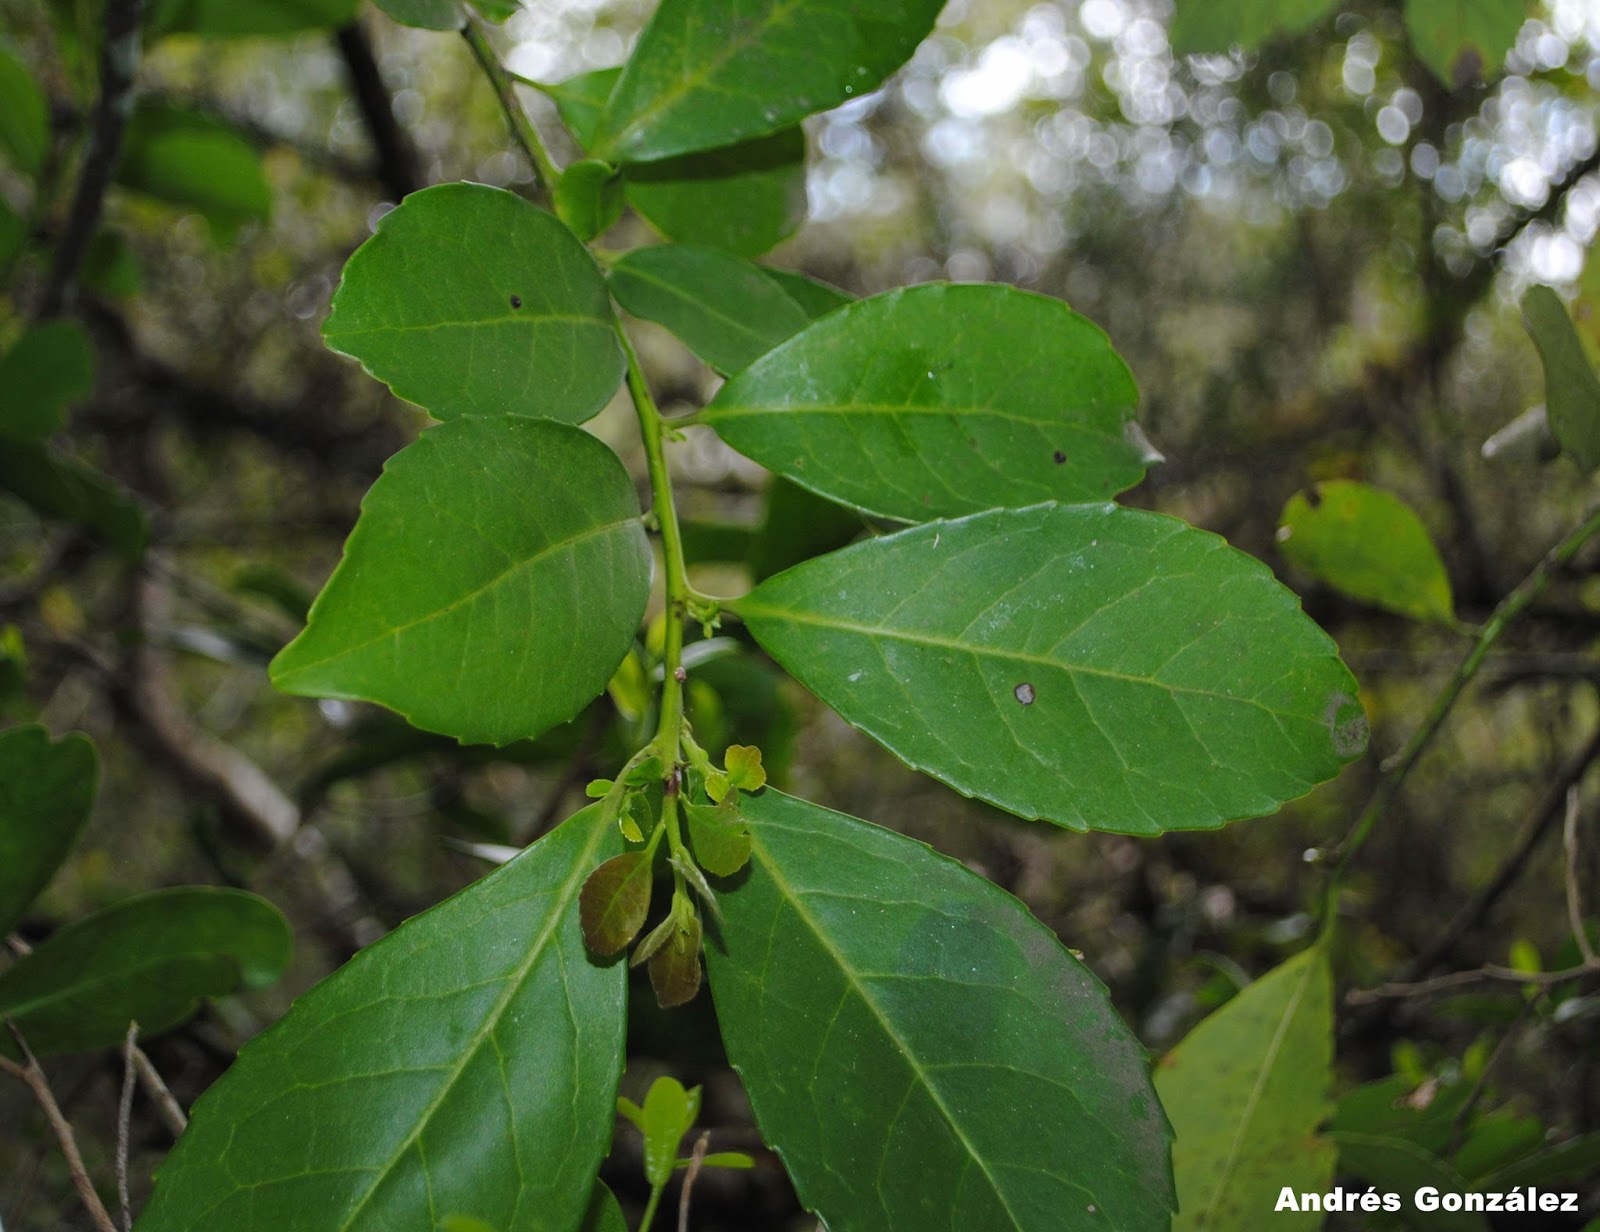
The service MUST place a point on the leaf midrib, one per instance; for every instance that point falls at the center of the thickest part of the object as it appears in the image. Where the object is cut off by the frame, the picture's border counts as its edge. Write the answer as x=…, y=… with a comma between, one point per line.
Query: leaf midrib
x=919, y=1072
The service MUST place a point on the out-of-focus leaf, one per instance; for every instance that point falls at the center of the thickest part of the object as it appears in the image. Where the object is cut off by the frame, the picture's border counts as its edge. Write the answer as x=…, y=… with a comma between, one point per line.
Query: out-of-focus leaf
x=1394, y=1165
x=1571, y=389
x=940, y=399
x=707, y=73
x=1207, y=27
x=13, y=236
x=798, y=525
x=724, y=309
x=468, y=1062
x=497, y=10
x=744, y=198
x=46, y=792
x=47, y=370
x=495, y=580
x=1570, y=1161
x=425, y=14
x=151, y=959
x=111, y=267
x=1369, y=544
x=1463, y=41
x=470, y=300
x=58, y=487
x=24, y=116
x=861, y=976
x=1246, y=1091
x=194, y=161
x=588, y=197
x=1098, y=667
x=221, y=18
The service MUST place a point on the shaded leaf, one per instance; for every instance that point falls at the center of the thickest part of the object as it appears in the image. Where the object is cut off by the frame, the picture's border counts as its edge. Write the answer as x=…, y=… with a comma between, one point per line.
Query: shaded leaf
x=469, y=300
x=938, y=400
x=797, y=525
x=614, y=902
x=194, y=161
x=1463, y=41
x=150, y=958
x=13, y=236
x=604, y=1213
x=1571, y=389
x=244, y=17
x=47, y=370
x=1397, y=1166
x=1246, y=1091
x=111, y=266
x=815, y=298
x=24, y=116
x=46, y=791
x=707, y=73
x=58, y=487
x=675, y=966
x=724, y=309
x=495, y=580
x=425, y=14
x=466, y=1062
x=1369, y=544
x=1572, y=1160
x=580, y=100
x=1098, y=667
x=919, y=1049
x=719, y=837
x=1204, y=26
x=588, y=197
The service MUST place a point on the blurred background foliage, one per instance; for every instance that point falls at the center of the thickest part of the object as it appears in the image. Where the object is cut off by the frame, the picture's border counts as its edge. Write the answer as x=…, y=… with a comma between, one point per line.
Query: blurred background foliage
x=1309, y=255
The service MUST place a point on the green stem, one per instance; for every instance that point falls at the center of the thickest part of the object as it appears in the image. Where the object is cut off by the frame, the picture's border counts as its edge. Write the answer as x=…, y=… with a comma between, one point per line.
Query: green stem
x=650, y=1208
x=544, y=169
x=1512, y=606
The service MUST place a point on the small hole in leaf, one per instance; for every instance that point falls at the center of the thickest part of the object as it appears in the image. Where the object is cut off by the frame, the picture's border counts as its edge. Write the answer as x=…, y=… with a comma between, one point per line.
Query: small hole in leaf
x=1024, y=693
x=1059, y=457
x=516, y=301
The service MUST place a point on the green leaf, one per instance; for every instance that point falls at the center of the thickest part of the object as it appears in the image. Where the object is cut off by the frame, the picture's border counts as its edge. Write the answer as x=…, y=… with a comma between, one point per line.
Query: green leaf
x=194, y=161
x=743, y=198
x=111, y=267
x=48, y=369
x=721, y=1159
x=58, y=487
x=468, y=1062
x=1204, y=26
x=425, y=14
x=707, y=73
x=580, y=100
x=24, y=116
x=726, y=310
x=1369, y=544
x=744, y=767
x=1570, y=1161
x=1246, y=1091
x=1462, y=40
x=1394, y=1165
x=675, y=966
x=797, y=525
x=46, y=792
x=470, y=300
x=720, y=839
x=669, y=1112
x=1571, y=389
x=604, y=1213
x=1098, y=667
x=614, y=902
x=150, y=959
x=495, y=580
x=497, y=10
x=940, y=400
x=919, y=1049
x=13, y=236
x=589, y=197
x=816, y=299
x=231, y=18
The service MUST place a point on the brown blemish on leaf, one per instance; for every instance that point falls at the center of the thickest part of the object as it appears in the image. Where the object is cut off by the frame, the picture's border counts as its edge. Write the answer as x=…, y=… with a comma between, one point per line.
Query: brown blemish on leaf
x=1024, y=693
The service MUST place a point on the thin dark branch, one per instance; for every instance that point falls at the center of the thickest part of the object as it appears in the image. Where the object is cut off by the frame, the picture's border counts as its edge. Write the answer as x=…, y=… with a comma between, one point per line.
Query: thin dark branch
x=398, y=169
x=125, y=1124
x=1488, y=973
x=119, y=65
x=170, y=1111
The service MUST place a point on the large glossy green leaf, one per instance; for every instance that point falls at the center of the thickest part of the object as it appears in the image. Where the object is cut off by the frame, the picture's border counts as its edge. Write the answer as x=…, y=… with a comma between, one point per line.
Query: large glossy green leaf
x=1571, y=389
x=921, y=1051
x=1369, y=544
x=1098, y=667
x=1463, y=40
x=48, y=369
x=150, y=959
x=196, y=162
x=46, y=792
x=24, y=116
x=227, y=18
x=470, y=300
x=726, y=310
x=56, y=486
x=939, y=400
x=707, y=73
x=466, y=1064
x=1246, y=1090
x=1205, y=26
x=495, y=580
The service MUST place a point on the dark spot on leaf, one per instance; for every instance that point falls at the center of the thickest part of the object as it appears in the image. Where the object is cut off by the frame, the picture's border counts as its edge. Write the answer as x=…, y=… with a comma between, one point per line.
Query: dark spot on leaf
x=1059, y=457
x=516, y=301
x=1024, y=693
x=1467, y=67
x=1314, y=498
